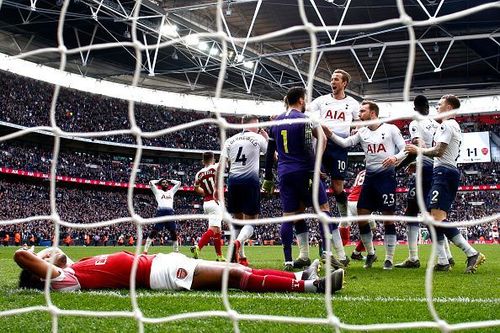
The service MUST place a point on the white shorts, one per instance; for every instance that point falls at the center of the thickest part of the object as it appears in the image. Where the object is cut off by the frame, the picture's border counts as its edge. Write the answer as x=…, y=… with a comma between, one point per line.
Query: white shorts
x=173, y=271
x=352, y=210
x=211, y=207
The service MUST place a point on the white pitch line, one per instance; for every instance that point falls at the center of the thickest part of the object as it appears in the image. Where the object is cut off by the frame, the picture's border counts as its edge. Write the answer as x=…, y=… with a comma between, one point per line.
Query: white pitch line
x=295, y=297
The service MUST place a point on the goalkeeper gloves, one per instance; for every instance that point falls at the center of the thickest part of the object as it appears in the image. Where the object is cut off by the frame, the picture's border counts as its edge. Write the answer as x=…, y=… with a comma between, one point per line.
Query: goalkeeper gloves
x=268, y=186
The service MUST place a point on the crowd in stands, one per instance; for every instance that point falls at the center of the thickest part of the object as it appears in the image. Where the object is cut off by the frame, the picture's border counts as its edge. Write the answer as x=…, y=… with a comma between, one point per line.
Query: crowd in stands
x=83, y=205
x=27, y=102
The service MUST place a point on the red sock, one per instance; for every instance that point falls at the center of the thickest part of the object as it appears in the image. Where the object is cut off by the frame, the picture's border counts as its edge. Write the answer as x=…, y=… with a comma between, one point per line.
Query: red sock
x=205, y=238
x=345, y=234
x=262, y=272
x=270, y=283
x=360, y=247
x=217, y=245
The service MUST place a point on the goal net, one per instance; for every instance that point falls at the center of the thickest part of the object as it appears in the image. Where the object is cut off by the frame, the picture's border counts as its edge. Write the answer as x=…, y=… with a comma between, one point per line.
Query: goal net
x=217, y=107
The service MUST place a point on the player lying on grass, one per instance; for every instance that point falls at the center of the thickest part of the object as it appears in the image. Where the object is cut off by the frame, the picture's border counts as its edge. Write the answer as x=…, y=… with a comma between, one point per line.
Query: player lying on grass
x=173, y=271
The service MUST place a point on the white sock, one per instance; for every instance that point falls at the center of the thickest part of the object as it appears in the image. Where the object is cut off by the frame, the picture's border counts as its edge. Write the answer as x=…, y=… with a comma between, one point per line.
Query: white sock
x=337, y=244
x=303, y=240
x=176, y=246
x=390, y=246
x=460, y=241
x=245, y=234
x=309, y=286
x=413, y=241
x=441, y=253
x=148, y=243
x=367, y=240
x=447, y=248
x=356, y=252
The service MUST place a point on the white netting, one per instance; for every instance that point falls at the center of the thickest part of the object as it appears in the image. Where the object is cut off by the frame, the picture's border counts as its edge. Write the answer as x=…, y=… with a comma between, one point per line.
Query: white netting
x=331, y=319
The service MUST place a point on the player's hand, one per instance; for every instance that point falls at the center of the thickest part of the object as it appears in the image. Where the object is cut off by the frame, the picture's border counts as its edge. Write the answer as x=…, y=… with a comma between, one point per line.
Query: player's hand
x=354, y=131
x=411, y=149
x=268, y=186
x=323, y=176
x=411, y=168
x=389, y=161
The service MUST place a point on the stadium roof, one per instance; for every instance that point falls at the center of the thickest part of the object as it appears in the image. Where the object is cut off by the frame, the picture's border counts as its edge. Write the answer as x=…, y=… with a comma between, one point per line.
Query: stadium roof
x=460, y=56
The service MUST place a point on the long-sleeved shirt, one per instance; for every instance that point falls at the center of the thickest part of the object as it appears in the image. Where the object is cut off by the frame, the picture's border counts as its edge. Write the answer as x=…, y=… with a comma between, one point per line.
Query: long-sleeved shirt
x=165, y=199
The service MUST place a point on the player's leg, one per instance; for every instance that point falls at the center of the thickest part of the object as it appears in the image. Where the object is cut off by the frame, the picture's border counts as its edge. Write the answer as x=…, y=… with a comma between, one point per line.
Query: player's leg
x=338, y=175
x=209, y=277
x=157, y=227
x=337, y=242
x=367, y=203
x=390, y=240
x=251, y=211
x=245, y=234
x=412, y=230
x=442, y=195
x=386, y=192
x=292, y=187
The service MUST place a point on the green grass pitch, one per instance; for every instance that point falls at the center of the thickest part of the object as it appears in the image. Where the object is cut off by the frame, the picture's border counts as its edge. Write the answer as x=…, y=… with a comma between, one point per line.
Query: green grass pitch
x=370, y=296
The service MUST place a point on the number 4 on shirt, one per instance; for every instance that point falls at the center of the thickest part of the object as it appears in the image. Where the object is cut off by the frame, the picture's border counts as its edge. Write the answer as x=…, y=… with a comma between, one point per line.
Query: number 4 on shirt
x=240, y=157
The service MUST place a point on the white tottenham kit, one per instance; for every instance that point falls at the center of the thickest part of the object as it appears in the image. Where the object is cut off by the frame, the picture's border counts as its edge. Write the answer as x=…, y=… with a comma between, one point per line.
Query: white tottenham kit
x=377, y=145
x=424, y=130
x=165, y=199
x=449, y=132
x=243, y=153
x=336, y=114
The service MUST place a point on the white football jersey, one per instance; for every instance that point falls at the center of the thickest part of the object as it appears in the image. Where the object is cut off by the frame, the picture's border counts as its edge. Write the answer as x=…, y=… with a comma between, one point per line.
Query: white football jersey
x=379, y=144
x=243, y=154
x=336, y=114
x=448, y=132
x=424, y=130
x=164, y=199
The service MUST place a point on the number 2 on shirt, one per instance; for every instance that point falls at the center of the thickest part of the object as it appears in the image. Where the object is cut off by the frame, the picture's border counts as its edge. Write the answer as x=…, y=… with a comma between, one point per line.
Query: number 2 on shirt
x=284, y=134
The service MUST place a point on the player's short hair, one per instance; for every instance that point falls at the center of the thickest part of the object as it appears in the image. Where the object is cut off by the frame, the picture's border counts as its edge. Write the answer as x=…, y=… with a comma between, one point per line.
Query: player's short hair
x=248, y=118
x=208, y=156
x=421, y=105
x=345, y=76
x=28, y=280
x=371, y=105
x=294, y=94
x=452, y=100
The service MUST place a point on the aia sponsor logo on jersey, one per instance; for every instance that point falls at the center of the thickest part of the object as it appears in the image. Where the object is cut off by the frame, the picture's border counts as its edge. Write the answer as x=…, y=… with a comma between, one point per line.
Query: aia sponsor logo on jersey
x=374, y=148
x=181, y=274
x=338, y=115
x=166, y=196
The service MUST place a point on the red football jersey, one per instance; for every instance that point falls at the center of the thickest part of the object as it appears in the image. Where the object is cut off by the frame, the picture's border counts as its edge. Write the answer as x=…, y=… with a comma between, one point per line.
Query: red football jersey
x=112, y=271
x=205, y=178
x=356, y=187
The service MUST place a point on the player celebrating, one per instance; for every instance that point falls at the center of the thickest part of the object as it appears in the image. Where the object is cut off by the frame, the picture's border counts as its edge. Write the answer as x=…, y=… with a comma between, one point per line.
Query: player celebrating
x=173, y=271
x=243, y=184
x=204, y=185
x=421, y=132
x=380, y=143
x=165, y=200
x=445, y=181
x=294, y=144
x=337, y=111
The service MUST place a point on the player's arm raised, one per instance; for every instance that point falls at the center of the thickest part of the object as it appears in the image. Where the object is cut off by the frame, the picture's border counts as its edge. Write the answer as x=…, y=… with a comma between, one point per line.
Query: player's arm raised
x=30, y=261
x=345, y=142
x=177, y=185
